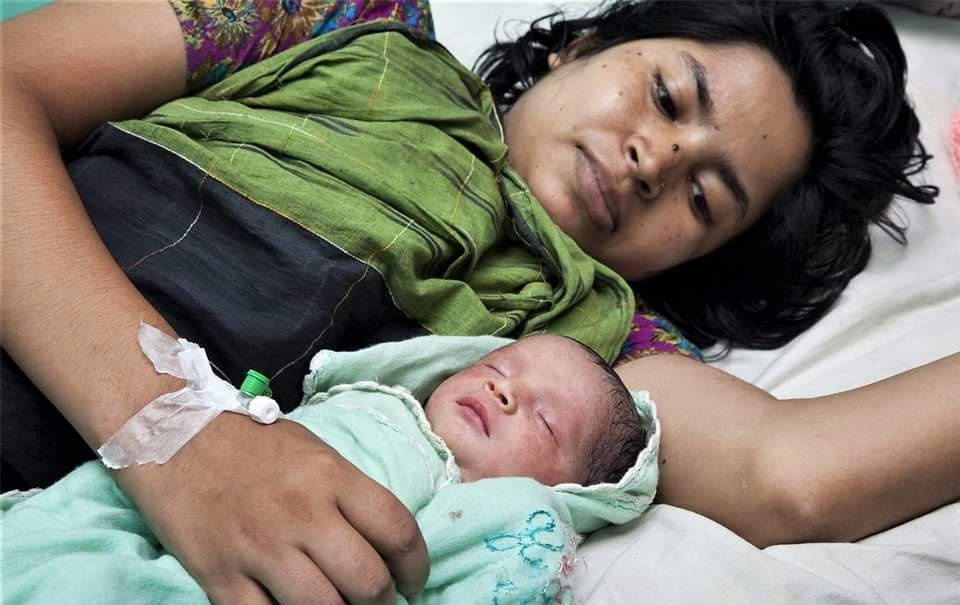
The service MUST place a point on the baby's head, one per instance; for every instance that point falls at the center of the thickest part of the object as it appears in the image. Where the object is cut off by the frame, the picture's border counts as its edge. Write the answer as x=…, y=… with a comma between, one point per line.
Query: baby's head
x=545, y=407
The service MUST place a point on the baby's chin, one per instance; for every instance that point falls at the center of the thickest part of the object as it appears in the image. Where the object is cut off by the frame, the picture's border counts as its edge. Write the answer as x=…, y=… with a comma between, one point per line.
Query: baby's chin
x=469, y=475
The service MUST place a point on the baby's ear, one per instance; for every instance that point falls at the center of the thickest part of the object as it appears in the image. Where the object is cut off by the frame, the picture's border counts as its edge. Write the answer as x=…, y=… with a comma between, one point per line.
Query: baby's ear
x=571, y=52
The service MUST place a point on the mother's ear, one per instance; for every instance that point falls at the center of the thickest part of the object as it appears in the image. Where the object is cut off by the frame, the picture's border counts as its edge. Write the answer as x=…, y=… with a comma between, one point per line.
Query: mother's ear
x=572, y=51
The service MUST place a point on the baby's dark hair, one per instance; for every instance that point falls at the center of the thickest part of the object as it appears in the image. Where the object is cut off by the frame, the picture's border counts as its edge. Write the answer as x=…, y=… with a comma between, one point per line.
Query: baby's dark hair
x=848, y=74
x=615, y=447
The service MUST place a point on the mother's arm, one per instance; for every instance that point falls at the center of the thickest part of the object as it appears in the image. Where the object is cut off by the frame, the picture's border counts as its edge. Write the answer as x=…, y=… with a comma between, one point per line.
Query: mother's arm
x=232, y=505
x=69, y=313
x=832, y=468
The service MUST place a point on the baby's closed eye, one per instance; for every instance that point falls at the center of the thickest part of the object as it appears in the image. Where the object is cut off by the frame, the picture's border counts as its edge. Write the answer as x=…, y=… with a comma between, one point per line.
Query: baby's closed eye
x=546, y=424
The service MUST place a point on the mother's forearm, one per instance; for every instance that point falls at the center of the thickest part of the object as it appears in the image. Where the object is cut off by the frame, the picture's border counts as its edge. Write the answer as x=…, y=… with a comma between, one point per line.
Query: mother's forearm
x=69, y=314
x=711, y=456
x=876, y=456
x=838, y=467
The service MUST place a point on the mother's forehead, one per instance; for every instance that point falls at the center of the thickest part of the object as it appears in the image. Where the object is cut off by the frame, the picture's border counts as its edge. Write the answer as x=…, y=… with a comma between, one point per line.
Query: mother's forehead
x=758, y=122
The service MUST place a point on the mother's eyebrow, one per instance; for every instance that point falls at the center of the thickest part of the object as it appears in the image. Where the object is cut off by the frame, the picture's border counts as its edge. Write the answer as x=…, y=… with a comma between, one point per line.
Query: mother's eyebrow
x=729, y=178
x=699, y=73
x=727, y=174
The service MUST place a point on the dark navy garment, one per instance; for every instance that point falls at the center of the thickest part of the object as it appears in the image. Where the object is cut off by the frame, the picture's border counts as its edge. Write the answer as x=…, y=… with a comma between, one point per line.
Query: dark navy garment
x=249, y=286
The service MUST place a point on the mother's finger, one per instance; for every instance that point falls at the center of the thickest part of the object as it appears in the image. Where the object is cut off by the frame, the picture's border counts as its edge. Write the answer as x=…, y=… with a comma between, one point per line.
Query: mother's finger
x=294, y=579
x=352, y=565
x=391, y=530
x=236, y=590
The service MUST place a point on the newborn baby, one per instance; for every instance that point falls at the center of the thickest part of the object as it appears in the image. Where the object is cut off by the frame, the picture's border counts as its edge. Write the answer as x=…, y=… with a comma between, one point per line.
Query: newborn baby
x=545, y=407
x=522, y=447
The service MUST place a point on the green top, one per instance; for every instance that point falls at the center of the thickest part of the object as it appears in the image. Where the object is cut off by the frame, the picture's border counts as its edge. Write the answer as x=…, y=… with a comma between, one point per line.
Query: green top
x=377, y=140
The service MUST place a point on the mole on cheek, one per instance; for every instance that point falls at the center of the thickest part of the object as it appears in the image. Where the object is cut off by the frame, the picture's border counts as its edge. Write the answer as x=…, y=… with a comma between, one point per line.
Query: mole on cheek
x=764, y=136
x=676, y=147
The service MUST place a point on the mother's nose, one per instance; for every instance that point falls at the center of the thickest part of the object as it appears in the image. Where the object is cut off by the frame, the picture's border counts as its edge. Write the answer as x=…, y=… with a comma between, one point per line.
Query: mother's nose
x=507, y=401
x=651, y=164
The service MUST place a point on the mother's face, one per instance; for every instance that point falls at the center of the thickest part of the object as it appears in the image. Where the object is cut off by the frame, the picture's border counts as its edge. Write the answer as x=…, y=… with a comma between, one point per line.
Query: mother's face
x=658, y=151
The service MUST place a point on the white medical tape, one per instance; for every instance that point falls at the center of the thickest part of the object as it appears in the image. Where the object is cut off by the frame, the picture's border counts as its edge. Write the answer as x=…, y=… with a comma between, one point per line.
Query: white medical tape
x=163, y=426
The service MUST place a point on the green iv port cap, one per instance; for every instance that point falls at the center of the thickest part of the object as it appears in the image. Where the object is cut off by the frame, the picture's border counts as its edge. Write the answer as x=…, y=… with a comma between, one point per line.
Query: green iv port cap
x=255, y=384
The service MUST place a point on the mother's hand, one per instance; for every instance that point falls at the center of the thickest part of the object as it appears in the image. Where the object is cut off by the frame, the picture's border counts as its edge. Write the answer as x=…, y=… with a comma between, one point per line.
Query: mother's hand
x=251, y=509
x=248, y=509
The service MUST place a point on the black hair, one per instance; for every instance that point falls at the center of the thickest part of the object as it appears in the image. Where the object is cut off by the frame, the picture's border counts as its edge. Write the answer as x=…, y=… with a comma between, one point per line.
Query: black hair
x=848, y=72
x=614, y=448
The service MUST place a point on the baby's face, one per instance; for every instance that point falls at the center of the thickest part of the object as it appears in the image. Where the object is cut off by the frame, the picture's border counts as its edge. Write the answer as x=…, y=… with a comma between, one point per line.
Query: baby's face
x=528, y=409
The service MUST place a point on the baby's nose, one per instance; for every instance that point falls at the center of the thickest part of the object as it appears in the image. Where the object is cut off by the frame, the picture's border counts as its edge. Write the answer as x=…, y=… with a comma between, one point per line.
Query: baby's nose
x=507, y=402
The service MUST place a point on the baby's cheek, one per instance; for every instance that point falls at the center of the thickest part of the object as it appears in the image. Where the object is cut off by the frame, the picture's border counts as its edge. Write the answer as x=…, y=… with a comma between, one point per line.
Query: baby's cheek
x=560, y=470
x=468, y=474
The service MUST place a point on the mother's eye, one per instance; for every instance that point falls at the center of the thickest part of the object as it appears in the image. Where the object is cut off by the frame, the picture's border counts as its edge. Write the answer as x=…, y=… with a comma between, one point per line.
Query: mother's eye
x=700, y=205
x=662, y=95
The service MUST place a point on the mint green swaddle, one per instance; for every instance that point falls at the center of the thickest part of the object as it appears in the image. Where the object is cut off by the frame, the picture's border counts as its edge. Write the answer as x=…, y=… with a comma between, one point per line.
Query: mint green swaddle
x=504, y=540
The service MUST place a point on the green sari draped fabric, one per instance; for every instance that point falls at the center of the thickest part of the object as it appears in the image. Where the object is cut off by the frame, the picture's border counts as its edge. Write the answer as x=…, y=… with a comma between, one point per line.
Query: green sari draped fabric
x=377, y=140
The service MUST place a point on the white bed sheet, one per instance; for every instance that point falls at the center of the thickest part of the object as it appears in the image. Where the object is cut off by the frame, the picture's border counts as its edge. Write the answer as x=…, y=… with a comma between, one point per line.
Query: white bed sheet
x=902, y=311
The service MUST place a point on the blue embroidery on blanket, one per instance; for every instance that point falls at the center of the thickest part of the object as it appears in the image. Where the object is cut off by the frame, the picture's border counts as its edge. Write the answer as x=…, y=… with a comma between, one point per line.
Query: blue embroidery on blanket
x=538, y=534
x=506, y=589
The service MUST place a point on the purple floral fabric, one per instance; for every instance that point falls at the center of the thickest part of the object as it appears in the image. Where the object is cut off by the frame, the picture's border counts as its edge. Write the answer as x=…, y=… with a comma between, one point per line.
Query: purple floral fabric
x=652, y=334
x=221, y=36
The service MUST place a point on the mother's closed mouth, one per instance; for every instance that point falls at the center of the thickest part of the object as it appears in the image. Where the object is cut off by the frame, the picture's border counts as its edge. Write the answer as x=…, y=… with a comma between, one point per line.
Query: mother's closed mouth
x=595, y=191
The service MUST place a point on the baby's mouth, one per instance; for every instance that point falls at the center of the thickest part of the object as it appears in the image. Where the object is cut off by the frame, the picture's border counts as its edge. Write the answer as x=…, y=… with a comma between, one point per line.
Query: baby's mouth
x=475, y=412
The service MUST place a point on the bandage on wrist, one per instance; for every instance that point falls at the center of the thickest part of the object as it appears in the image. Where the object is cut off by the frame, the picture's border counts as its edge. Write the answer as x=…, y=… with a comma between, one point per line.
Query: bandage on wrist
x=166, y=424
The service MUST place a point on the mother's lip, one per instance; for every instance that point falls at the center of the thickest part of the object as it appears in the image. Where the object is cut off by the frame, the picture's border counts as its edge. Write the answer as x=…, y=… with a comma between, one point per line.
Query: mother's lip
x=476, y=409
x=598, y=198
